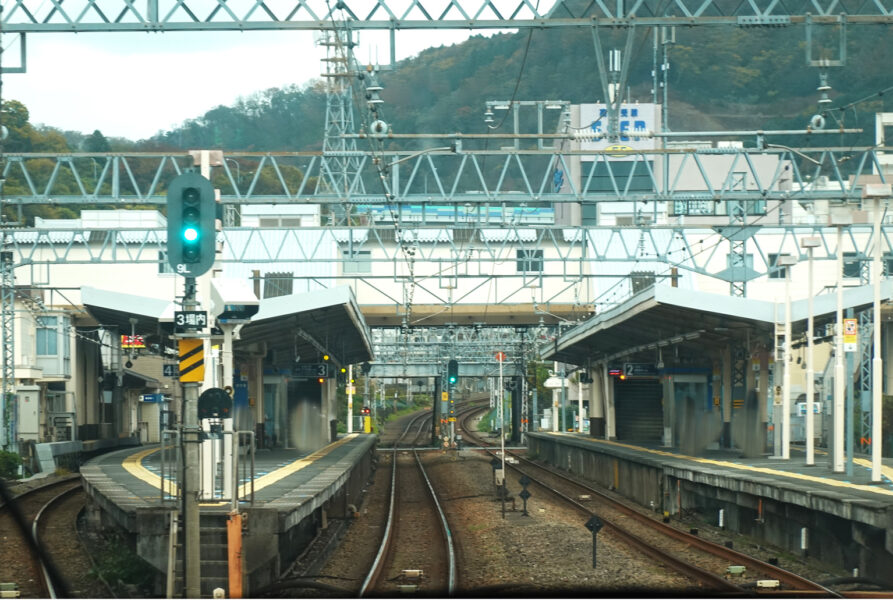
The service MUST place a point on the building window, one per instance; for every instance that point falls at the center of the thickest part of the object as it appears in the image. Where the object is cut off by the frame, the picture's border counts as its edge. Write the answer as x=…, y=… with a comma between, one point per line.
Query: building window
x=47, y=336
x=287, y=222
x=775, y=271
x=163, y=265
x=278, y=284
x=852, y=266
x=529, y=261
x=358, y=261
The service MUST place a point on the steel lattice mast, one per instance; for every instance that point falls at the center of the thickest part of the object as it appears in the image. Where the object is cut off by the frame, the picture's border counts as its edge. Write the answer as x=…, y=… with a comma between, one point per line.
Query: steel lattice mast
x=340, y=156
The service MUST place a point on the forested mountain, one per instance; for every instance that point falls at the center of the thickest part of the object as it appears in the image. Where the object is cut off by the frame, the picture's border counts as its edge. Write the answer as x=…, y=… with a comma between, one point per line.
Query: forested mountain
x=720, y=78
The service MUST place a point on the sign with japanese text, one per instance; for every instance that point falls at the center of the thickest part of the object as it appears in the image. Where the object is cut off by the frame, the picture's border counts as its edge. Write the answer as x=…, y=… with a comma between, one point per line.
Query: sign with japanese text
x=133, y=341
x=311, y=370
x=190, y=320
x=850, y=335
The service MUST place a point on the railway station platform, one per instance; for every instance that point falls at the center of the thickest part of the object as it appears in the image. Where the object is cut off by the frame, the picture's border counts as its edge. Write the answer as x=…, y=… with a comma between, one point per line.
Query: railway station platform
x=845, y=521
x=295, y=494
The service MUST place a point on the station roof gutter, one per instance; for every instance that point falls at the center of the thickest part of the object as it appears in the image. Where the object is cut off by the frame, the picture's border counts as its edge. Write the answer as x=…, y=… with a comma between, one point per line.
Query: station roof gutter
x=663, y=315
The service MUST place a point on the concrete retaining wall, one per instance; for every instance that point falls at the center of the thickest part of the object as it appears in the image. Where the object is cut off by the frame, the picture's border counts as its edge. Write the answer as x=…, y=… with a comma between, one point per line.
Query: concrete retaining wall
x=842, y=531
x=273, y=534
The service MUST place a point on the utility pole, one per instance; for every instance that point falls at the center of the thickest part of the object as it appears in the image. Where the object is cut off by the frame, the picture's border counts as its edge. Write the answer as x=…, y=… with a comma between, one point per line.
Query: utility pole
x=839, y=218
x=349, y=399
x=810, y=243
x=878, y=192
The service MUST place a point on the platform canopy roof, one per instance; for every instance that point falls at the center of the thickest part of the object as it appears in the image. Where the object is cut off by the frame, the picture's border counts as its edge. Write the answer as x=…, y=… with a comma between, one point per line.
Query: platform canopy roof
x=665, y=317
x=145, y=316
x=303, y=326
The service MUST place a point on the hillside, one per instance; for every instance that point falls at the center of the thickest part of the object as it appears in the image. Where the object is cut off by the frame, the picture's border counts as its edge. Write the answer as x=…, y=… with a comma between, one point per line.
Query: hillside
x=720, y=78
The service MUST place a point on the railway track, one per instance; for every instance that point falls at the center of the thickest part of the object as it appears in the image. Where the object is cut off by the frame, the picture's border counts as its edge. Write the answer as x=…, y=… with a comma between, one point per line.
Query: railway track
x=416, y=553
x=715, y=568
x=20, y=560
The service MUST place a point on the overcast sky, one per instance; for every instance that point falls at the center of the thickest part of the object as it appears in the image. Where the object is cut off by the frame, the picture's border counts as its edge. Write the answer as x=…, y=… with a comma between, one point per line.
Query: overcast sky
x=133, y=85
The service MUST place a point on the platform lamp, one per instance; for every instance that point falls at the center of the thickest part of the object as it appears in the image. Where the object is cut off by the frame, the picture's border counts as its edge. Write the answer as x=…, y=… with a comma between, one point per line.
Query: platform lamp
x=787, y=261
x=881, y=193
x=810, y=243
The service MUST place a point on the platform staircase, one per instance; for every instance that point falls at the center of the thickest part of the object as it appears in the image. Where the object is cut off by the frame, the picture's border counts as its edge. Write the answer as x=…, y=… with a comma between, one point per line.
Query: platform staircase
x=214, y=565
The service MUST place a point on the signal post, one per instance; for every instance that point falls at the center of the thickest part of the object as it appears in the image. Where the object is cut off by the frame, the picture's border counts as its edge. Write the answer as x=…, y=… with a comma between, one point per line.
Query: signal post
x=452, y=379
x=190, y=251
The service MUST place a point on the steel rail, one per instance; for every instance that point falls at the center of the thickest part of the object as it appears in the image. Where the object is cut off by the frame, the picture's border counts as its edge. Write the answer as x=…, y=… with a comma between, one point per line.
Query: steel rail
x=799, y=583
x=39, y=556
x=48, y=580
x=444, y=525
x=375, y=570
x=783, y=575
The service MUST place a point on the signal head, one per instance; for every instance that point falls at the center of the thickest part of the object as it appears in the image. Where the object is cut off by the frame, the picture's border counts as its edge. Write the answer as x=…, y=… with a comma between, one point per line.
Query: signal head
x=191, y=210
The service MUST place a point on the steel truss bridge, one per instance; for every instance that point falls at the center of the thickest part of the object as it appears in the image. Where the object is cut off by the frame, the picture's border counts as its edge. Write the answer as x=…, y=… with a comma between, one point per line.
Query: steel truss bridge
x=463, y=185
x=32, y=16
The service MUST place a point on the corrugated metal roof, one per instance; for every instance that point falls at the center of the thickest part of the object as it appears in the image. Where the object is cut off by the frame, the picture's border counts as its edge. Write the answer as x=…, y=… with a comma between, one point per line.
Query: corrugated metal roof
x=510, y=235
x=137, y=236
x=425, y=236
x=572, y=235
x=45, y=237
x=342, y=236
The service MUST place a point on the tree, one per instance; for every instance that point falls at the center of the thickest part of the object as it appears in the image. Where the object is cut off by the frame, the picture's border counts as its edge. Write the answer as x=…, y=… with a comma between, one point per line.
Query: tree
x=9, y=465
x=97, y=142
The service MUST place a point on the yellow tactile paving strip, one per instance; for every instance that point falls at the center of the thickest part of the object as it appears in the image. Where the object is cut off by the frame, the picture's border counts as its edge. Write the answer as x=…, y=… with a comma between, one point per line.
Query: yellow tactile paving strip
x=133, y=464
x=292, y=467
x=887, y=471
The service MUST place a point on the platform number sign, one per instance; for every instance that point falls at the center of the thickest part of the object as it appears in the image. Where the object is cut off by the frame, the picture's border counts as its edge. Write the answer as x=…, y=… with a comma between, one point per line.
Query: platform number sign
x=311, y=370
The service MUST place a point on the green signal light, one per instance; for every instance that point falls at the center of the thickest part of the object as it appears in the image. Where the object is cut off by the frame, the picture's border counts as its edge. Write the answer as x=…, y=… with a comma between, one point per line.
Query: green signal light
x=190, y=234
